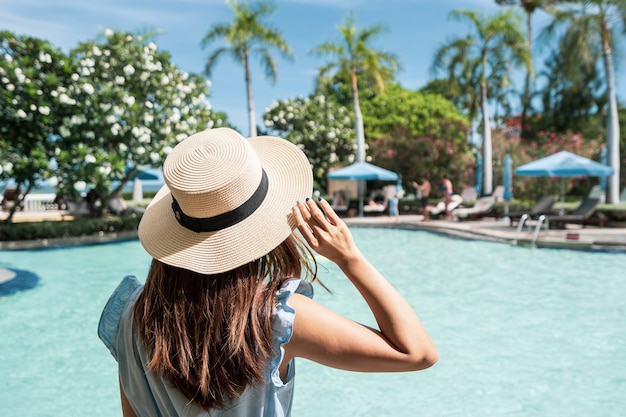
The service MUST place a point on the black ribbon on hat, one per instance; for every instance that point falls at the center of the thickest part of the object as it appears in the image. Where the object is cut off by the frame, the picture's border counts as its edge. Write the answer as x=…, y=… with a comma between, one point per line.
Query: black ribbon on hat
x=224, y=220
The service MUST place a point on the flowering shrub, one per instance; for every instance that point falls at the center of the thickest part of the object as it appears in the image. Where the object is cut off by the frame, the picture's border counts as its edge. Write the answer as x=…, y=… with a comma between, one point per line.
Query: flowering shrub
x=320, y=127
x=430, y=155
x=132, y=105
x=31, y=71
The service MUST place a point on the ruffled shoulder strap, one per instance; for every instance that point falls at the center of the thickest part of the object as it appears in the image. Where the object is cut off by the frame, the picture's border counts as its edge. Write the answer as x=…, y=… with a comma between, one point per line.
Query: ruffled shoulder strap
x=284, y=316
x=112, y=313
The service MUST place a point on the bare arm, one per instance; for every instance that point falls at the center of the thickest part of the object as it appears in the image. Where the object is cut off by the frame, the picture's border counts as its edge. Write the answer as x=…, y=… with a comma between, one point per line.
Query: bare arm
x=127, y=410
x=400, y=344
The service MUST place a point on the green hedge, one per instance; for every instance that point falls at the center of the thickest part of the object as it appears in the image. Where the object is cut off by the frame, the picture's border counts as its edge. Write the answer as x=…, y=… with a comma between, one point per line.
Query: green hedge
x=73, y=228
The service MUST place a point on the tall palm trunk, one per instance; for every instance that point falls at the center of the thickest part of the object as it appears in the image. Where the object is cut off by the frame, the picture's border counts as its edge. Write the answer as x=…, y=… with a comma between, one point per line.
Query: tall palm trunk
x=612, y=127
x=487, y=158
x=360, y=137
x=526, y=96
x=251, y=117
x=358, y=121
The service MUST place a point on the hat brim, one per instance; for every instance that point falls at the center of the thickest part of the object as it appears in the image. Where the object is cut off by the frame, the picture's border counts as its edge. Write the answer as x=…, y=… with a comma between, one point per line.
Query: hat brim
x=290, y=179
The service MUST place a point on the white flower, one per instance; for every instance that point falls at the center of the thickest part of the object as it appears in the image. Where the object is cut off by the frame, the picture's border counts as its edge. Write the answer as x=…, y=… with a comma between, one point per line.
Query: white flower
x=80, y=185
x=96, y=51
x=8, y=166
x=8, y=58
x=88, y=88
x=108, y=32
x=119, y=80
x=129, y=70
x=45, y=110
x=64, y=131
x=10, y=87
x=85, y=71
x=21, y=114
x=104, y=170
x=165, y=80
x=154, y=157
x=75, y=77
x=130, y=100
x=90, y=159
x=63, y=98
x=123, y=147
x=45, y=57
x=87, y=62
x=140, y=150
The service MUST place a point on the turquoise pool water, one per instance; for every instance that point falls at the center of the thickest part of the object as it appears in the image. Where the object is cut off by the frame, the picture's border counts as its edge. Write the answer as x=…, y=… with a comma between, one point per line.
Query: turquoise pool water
x=521, y=331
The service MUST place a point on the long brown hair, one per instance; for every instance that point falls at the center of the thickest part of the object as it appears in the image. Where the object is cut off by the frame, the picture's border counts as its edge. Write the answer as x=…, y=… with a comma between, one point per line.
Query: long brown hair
x=211, y=335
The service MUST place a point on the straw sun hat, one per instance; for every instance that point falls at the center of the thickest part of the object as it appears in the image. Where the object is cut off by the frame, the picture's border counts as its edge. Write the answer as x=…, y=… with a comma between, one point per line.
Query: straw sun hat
x=226, y=201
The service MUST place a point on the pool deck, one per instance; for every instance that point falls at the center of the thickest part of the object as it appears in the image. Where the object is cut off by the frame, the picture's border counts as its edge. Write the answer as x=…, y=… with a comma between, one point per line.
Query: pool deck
x=492, y=229
x=573, y=237
x=499, y=230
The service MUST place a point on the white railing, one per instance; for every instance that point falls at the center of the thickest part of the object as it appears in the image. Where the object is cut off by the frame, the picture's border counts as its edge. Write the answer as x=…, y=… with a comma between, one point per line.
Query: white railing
x=40, y=202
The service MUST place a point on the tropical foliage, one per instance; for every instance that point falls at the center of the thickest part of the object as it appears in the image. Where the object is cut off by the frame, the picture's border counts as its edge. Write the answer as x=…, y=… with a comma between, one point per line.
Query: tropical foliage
x=478, y=66
x=592, y=28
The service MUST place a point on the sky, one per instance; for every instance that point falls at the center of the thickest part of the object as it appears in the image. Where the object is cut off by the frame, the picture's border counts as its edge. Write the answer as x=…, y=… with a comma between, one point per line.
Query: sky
x=415, y=29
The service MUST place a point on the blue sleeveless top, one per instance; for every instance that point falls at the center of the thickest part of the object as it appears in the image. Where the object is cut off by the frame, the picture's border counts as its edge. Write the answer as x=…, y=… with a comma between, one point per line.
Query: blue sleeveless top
x=152, y=395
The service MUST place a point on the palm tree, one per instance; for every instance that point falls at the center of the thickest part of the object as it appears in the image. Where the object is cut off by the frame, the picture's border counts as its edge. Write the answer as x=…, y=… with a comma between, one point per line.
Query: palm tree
x=529, y=6
x=591, y=26
x=247, y=35
x=481, y=61
x=353, y=55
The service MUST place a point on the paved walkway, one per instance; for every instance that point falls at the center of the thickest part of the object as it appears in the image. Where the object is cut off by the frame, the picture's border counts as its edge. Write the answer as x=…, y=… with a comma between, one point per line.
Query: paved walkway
x=574, y=236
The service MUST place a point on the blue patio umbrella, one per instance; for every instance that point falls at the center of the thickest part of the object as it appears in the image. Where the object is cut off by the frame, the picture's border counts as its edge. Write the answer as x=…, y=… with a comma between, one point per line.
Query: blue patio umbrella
x=507, y=177
x=478, y=181
x=362, y=171
x=564, y=164
x=603, y=159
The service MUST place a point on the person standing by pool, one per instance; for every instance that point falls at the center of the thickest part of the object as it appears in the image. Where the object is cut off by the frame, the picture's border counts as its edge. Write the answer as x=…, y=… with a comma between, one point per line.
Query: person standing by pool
x=447, y=191
x=394, y=209
x=227, y=304
x=424, y=189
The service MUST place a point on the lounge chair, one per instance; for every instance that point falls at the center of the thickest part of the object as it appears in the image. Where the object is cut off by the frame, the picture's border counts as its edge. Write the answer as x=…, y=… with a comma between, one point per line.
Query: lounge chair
x=377, y=203
x=584, y=215
x=543, y=206
x=498, y=193
x=341, y=201
x=483, y=207
x=469, y=194
x=440, y=208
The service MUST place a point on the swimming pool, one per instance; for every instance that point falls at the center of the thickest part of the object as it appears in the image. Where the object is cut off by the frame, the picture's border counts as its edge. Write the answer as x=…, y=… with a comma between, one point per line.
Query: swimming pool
x=520, y=331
